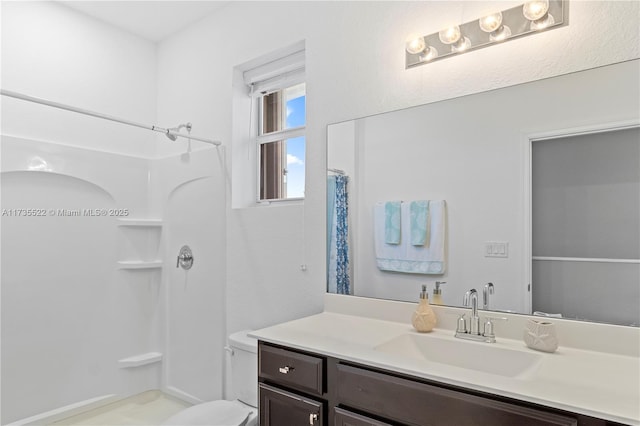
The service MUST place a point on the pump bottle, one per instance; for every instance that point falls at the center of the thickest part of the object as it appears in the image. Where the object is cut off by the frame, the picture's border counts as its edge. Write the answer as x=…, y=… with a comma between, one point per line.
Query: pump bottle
x=424, y=319
x=437, y=293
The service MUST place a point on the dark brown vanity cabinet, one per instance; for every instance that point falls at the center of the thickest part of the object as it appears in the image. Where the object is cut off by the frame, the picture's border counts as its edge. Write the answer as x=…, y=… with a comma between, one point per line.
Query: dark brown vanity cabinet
x=298, y=388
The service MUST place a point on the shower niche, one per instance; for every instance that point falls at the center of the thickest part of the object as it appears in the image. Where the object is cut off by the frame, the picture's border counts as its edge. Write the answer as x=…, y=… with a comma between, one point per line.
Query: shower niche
x=140, y=244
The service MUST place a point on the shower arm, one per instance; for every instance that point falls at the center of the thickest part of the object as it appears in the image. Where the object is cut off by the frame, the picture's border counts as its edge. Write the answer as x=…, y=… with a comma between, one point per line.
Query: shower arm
x=188, y=126
x=169, y=131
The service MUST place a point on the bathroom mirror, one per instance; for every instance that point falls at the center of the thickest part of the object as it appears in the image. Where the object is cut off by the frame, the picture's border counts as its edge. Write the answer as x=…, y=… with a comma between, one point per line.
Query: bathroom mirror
x=474, y=152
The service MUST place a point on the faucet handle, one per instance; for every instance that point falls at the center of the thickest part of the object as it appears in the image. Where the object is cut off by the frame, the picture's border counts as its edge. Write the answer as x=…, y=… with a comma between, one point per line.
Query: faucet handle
x=488, y=325
x=462, y=325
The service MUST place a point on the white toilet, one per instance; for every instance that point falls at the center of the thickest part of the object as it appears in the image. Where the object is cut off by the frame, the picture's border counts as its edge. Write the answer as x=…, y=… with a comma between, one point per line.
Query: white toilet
x=244, y=382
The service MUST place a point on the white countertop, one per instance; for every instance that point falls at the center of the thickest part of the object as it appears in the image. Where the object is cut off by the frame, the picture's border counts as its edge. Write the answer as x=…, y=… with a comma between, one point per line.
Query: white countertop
x=598, y=384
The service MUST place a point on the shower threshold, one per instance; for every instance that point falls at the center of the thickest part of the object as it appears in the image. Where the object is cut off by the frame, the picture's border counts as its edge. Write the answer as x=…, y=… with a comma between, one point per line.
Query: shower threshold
x=147, y=408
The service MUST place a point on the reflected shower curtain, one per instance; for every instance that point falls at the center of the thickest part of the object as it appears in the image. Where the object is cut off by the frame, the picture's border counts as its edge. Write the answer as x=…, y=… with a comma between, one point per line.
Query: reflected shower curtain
x=338, y=235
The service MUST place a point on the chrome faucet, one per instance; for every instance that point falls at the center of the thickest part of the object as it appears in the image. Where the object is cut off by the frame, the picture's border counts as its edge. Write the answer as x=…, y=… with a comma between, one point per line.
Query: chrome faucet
x=473, y=332
x=474, y=320
x=488, y=289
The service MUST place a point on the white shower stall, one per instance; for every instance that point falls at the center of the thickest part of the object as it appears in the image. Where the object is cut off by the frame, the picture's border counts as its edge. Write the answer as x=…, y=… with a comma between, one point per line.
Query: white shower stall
x=93, y=306
x=94, y=214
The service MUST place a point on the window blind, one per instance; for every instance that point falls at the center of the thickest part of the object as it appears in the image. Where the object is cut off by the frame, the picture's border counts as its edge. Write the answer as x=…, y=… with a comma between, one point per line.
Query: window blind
x=276, y=74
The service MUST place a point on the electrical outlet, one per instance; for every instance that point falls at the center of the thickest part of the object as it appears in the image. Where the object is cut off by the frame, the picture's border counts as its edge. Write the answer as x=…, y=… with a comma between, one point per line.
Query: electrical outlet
x=496, y=249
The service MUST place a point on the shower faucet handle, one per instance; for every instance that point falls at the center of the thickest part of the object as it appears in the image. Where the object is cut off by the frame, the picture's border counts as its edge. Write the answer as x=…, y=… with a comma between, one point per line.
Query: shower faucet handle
x=185, y=258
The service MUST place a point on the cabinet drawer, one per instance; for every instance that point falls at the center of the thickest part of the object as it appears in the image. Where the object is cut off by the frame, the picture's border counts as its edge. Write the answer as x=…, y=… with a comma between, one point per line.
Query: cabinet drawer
x=420, y=404
x=281, y=408
x=300, y=371
x=347, y=418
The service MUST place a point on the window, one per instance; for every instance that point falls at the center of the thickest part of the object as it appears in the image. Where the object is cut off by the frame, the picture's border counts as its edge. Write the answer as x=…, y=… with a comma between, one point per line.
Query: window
x=281, y=143
x=277, y=92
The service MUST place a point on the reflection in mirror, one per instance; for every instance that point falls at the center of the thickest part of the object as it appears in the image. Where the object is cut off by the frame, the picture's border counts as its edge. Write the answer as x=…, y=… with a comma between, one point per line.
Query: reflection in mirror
x=338, y=272
x=585, y=214
x=475, y=153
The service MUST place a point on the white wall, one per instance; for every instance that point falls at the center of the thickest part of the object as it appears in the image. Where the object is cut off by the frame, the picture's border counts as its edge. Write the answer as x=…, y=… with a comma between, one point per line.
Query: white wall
x=355, y=67
x=50, y=51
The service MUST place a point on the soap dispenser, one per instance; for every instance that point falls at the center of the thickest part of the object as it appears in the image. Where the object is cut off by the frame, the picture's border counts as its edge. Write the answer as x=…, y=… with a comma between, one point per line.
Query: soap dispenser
x=437, y=293
x=424, y=319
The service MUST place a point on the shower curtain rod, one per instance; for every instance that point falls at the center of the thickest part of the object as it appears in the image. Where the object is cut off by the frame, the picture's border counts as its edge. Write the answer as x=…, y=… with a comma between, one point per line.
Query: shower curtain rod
x=167, y=132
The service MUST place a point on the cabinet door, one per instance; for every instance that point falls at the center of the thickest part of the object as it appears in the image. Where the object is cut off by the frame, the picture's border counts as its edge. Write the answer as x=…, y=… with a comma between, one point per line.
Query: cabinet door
x=281, y=408
x=347, y=418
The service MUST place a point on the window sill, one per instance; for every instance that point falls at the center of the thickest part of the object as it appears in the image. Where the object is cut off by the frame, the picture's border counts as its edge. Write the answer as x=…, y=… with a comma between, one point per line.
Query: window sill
x=271, y=203
x=280, y=202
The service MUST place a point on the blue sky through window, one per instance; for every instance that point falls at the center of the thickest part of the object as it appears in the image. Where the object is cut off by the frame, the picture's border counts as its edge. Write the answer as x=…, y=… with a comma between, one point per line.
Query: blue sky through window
x=296, y=117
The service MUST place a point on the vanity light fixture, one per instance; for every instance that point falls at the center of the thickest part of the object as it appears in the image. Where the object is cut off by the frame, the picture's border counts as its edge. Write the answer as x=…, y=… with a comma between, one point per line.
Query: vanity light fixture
x=525, y=19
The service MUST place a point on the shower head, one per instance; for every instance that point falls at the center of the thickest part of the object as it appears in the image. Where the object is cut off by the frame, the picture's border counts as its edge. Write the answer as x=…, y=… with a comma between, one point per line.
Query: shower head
x=177, y=129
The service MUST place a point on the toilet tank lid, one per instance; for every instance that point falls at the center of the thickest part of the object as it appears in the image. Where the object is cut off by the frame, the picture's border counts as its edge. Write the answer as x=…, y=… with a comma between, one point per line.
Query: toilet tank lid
x=240, y=340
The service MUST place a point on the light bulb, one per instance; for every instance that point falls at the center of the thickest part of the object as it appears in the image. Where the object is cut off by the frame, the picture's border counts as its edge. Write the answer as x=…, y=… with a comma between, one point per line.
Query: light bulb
x=490, y=23
x=429, y=53
x=500, y=34
x=416, y=45
x=542, y=23
x=450, y=35
x=461, y=45
x=534, y=10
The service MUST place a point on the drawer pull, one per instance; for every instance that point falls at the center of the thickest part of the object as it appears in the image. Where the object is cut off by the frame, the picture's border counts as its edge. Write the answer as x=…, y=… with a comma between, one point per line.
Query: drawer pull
x=285, y=369
x=313, y=418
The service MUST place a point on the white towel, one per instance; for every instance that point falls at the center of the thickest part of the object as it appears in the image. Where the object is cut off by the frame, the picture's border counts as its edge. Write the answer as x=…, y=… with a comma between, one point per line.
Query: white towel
x=405, y=257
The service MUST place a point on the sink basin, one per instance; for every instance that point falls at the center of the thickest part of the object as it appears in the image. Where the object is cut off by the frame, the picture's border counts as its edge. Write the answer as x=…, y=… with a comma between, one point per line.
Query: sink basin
x=484, y=357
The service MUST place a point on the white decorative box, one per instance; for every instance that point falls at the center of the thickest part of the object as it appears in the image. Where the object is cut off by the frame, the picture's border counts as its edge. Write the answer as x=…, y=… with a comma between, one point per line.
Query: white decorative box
x=541, y=335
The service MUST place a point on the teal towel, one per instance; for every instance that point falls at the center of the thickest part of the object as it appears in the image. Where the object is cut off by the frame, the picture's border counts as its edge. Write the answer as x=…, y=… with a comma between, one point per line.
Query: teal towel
x=419, y=211
x=392, y=222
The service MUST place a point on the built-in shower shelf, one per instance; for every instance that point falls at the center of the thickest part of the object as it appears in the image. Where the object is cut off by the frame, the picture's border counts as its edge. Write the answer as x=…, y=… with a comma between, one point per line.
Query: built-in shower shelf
x=140, y=222
x=140, y=264
x=140, y=360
